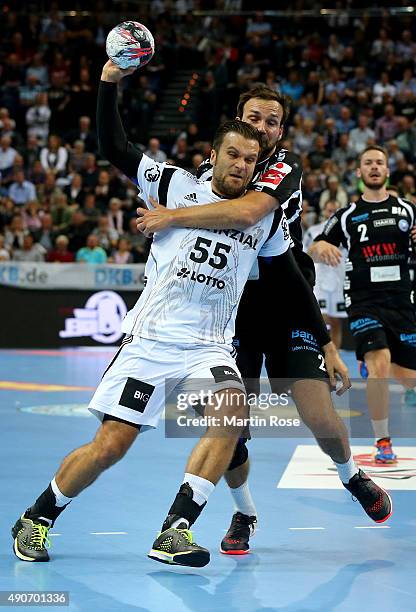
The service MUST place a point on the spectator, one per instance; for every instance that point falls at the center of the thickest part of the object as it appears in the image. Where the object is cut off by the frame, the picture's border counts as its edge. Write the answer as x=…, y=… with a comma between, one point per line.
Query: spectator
x=362, y=135
x=45, y=235
x=7, y=155
x=75, y=191
x=107, y=236
x=84, y=133
x=154, y=151
x=4, y=253
x=383, y=88
x=343, y=152
x=318, y=153
x=122, y=254
x=32, y=219
x=15, y=233
x=62, y=215
x=38, y=69
x=333, y=191
x=345, y=124
x=30, y=250
x=92, y=253
x=304, y=138
x=115, y=215
x=249, y=72
x=38, y=117
x=292, y=86
x=77, y=156
x=335, y=49
x=60, y=253
x=308, y=109
x=139, y=243
x=388, y=125
x=77, y=231
x=21, y=191
x=89, y=172
x=54, y=157
x=90, y=210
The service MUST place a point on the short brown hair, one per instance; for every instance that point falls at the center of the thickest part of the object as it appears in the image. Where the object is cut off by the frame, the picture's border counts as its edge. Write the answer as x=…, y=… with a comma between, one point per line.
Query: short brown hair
x=264, y=93
x=374, y=147
x=240, y=127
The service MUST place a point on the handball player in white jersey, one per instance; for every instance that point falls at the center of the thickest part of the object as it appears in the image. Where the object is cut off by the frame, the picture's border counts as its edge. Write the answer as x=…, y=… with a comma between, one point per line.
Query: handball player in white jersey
x=329, y=284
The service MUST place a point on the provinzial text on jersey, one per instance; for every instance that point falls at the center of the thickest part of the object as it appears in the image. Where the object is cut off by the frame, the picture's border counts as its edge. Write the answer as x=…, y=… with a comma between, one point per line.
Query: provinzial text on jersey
x=240, y=236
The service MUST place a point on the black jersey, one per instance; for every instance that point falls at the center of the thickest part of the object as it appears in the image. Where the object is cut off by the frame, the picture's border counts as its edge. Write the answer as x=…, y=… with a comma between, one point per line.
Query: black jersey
x=377, y=237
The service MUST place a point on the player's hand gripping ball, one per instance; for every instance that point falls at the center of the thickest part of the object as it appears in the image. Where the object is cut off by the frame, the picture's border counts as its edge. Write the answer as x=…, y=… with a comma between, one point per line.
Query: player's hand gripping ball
x=130, y=45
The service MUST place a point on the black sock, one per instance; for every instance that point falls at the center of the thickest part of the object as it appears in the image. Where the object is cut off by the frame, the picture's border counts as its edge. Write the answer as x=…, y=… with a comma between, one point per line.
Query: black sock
x=45, y=507
x=183, y=507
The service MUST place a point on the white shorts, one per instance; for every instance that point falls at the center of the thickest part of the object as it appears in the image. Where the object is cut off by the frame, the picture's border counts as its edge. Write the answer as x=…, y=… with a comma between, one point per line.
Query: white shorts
x=145, y=373
x=331, y=303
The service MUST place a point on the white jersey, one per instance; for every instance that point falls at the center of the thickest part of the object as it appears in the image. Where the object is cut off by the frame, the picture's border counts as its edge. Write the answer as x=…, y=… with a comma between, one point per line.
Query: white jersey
x=195, y=277
x=327, y=278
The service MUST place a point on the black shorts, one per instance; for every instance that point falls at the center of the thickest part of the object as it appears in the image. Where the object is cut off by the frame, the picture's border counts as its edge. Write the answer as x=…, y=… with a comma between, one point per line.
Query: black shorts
x=375, y=326
x=290, y=356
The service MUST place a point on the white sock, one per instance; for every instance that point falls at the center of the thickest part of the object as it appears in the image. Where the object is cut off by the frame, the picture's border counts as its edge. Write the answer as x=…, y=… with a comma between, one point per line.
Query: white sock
x=346, y=470
x=381, y=428
x=61, y=499
x=243, y=501
x=201, y=488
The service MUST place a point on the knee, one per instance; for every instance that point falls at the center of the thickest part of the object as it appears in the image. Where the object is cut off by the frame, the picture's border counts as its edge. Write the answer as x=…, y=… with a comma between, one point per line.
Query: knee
x=110, y=450
x=240, y=454
x=378, y=368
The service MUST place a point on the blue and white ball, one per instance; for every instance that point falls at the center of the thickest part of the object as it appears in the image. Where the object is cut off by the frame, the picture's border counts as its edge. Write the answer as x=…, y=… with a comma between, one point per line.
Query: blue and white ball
x=130, y=45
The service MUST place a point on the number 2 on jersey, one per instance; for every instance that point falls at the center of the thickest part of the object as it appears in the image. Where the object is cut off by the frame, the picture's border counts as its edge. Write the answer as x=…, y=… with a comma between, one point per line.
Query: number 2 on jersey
x=362, y=228
x=218, y=259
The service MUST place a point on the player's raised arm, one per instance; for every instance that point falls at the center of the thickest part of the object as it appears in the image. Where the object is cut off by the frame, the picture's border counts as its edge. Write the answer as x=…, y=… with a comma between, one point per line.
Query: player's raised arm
x=112, y=139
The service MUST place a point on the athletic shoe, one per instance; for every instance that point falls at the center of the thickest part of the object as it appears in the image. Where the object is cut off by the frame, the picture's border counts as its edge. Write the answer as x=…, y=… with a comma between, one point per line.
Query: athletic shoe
x=31, y=539
x=375, y=500
x=384, y=451
x=363, y=369
x=236, y=540
x=176, y=547
x=409, y=398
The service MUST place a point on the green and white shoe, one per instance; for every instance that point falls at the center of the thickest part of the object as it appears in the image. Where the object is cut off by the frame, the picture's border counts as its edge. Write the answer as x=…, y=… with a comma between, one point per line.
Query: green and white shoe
x=31, y=539
x=176, y=547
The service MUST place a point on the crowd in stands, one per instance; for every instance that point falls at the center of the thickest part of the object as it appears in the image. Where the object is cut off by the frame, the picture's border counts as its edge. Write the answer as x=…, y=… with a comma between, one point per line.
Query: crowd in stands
x=351, y=79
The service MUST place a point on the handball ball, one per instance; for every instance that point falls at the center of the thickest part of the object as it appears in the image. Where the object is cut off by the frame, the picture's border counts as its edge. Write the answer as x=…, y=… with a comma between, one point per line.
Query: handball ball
x=130, y=45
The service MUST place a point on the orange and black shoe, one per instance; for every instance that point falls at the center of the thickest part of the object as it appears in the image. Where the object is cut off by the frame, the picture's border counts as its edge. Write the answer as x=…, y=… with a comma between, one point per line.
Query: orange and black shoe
x=376, y=501
x=236, y=540
x=384, y=451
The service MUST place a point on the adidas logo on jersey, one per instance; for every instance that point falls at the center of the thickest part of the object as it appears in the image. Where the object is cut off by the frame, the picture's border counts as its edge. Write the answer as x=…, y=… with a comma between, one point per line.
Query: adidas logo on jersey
x=204, y=279
x=191, y=197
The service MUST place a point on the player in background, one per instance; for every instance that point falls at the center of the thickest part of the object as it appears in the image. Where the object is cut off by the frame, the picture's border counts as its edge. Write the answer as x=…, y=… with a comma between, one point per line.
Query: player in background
x=329, y=284
x=376, y=231
x=291, y=351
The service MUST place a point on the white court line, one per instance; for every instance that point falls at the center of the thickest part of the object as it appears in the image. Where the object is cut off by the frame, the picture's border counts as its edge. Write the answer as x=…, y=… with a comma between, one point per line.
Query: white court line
x=306, y=528
x=53, y=535
x=108, y=532
x=373, y=527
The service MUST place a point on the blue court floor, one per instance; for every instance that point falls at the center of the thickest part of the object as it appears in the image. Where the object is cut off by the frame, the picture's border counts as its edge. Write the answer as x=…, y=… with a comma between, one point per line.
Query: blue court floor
x=315, y=549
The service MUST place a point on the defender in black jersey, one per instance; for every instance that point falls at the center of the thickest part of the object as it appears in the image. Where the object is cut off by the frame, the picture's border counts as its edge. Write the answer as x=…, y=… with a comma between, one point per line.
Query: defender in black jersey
x=376, y=230
x=270, y=325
